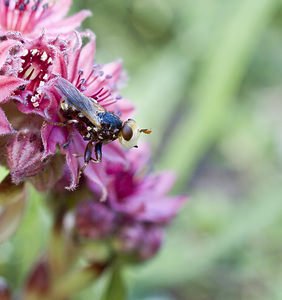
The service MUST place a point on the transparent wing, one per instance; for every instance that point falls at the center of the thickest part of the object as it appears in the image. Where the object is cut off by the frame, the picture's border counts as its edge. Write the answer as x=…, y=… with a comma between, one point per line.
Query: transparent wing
x=81, y=102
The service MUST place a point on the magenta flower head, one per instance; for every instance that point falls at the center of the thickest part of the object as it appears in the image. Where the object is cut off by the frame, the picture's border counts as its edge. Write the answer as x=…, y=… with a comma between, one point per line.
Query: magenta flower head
x=31, y=69
x=137, y=208
x=152, y=241
x=94, y=220
x=24, y=154
x=138, y=240
x=87, y=95
x=129, y=236
x=140, y=195
x=31, y=17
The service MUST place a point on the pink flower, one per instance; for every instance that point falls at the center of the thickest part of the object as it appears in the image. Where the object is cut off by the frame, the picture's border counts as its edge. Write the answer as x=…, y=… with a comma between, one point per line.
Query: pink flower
x=134, y=240
x=140, y=195
x=100, y=82
x=8, y=82
x=31, y=17
x=31, y=69
x=24, y=154
x=26, y=67
x=137, y=209
x=94, y=220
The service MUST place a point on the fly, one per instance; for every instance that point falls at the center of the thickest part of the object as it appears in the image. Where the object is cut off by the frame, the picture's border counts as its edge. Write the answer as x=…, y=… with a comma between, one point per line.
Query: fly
x=96, y=125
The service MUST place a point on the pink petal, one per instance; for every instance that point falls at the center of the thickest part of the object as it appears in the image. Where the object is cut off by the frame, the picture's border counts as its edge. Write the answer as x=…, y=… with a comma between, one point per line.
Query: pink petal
x=5, y=126
x=5, y=47
x=162, y=209
x=97, y=178
x=124, y=107
x=114, y=153
x=73, y=66
x=8, y=84
x=51, y=137
x=158, y=184
x=140, y=157
x=60, y=67
x=114, y=69
x=60, y=9
x=87, y=56
x=132, y=205
x=68, y=24
x=72, y=163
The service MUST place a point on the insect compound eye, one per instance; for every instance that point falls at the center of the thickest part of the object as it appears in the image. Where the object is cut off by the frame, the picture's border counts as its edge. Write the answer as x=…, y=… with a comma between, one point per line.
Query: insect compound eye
x=127, y=132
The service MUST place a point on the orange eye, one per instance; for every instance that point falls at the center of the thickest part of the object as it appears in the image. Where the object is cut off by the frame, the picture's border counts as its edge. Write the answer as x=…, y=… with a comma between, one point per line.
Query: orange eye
x=127, y=132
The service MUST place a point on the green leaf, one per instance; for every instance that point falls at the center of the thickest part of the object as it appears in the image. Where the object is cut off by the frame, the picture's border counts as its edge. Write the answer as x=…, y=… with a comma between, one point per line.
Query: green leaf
x=9, y=191
x=3, y=173
x=116, y=288
x=12, y=213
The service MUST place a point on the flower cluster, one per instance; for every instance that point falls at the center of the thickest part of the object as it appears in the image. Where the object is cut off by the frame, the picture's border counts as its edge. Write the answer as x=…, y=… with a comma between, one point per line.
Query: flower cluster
x=119, y=204
x=132, y=221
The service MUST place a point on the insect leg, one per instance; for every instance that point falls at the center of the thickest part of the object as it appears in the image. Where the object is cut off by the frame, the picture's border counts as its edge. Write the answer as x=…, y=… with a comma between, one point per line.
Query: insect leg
x=65, y=146
x=98, y=153
x=61, y=124
x=87, y=158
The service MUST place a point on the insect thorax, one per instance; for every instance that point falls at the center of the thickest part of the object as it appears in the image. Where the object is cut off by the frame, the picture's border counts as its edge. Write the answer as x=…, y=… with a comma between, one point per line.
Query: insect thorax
x=110, y=125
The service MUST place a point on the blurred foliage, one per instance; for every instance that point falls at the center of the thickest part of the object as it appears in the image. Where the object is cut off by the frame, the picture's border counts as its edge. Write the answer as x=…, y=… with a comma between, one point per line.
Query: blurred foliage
x=206, y=77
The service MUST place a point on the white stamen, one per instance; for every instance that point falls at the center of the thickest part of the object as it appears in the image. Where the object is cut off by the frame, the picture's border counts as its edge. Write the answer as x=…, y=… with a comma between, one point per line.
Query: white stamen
x=50, y=60
x=80, y=115
x=28, y=72
x=20, y=70
x=88, y=135
x=36, y=104
x=89, y=128
x=44, y=56
x=41, y=83
x=64, y=105
x=45, y=76
x=33, y=99
x=25, y=52
x=33, y=51
x=39, y=92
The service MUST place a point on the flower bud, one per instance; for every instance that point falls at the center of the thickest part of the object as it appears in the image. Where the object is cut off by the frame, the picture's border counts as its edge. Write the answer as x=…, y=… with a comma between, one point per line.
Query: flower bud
x=152, y=241
x=129, y=237
x=5, y=293
x=24, y=155
x=53, y=171
x=94, y=220
x=38, y=282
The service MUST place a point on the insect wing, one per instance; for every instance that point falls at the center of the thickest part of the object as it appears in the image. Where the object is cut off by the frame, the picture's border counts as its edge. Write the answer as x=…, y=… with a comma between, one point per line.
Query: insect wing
x=80, y=101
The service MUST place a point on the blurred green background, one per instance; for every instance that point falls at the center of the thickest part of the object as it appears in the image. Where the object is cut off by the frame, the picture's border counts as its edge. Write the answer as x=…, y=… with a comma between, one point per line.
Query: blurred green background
x=206, y=76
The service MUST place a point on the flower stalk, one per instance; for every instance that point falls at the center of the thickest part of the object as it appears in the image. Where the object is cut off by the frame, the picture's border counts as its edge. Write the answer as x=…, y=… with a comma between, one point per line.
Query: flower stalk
x=76, y=281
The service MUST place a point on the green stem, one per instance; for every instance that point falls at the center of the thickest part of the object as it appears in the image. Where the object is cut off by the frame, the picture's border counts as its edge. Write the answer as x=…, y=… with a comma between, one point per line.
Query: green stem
x=76, y=281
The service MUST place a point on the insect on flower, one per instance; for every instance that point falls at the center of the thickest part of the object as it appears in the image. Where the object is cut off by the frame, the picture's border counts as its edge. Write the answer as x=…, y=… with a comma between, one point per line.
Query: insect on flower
x=96, y=125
